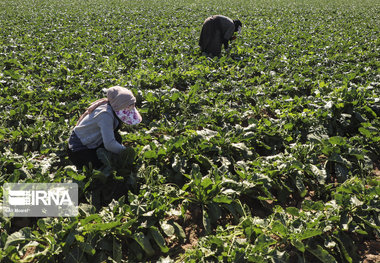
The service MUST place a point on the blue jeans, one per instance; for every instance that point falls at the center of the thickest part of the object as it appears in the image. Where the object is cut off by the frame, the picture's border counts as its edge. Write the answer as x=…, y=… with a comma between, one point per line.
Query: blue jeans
x=81, y=156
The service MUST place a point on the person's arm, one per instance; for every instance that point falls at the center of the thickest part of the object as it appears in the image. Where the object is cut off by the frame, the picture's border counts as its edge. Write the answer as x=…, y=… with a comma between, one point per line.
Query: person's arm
x=225, y=43
x=229, y=30
x=228, y=34
x=106, y=128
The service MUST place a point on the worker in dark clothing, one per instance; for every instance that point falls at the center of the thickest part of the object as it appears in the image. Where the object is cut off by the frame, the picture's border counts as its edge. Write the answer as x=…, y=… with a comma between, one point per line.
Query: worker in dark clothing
x=216, y=31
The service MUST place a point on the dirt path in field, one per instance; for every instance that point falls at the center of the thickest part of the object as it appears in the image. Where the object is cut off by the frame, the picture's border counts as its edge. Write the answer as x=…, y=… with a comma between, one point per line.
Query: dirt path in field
x=376, y=169
x=371, y=251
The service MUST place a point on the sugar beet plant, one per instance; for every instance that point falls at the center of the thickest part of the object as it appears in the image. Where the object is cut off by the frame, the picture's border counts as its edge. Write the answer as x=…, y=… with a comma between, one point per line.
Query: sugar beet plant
x=269, y=153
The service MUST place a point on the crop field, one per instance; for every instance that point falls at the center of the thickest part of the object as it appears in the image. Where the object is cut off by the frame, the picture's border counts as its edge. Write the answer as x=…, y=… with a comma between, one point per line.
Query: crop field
x=268, y=153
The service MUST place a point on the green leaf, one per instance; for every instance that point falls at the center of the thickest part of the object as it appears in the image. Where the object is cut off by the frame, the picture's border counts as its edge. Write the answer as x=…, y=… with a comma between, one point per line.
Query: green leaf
x=179, y=231
x=143, y=241
x=298, y=244
x=308, y=233
x=341, y=171
x=24, y=234
x=101, y=226
x=267, y=122
x=79, y=238
x=105, y=156
x=204, y=162
x=86, y=209
x=69, y=240
x=320, y=174
x=355, y=201
x=360, y=231
x=262, y=242
x=250, y=229
x=206, y=221
x=214, y=211
x=102, y=174
x=94, y=217
x=235, y=209
x=365, y=132
x=337, y=140
x=343, y=250
x=222, y=199
x=300, y=186
x=242, y=148
x=196, y=174
x=126, y=157
x=87, y=248
x=321, y=253
x=279, y=228
x=75, y=255
x=207, y=134
x=293, y=211
x=206, y=182
x=116, y=250
x=136, y=250
x=309, y=205
x=288, y=126
x=41, y=225
x=152, y=154
x=372, y=225
x=168, y=228
x=106, y=244
x=159, y=239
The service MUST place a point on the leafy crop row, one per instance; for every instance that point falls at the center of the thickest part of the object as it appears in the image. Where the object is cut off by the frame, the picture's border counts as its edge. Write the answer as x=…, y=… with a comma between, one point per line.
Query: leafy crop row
x=269, y=153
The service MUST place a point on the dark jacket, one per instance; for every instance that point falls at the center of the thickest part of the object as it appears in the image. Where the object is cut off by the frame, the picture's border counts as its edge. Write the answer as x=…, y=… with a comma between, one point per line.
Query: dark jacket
x=216, y=31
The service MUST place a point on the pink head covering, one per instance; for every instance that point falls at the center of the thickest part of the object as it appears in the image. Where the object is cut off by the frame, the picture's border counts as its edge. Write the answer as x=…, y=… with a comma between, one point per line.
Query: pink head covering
x=122, y=102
